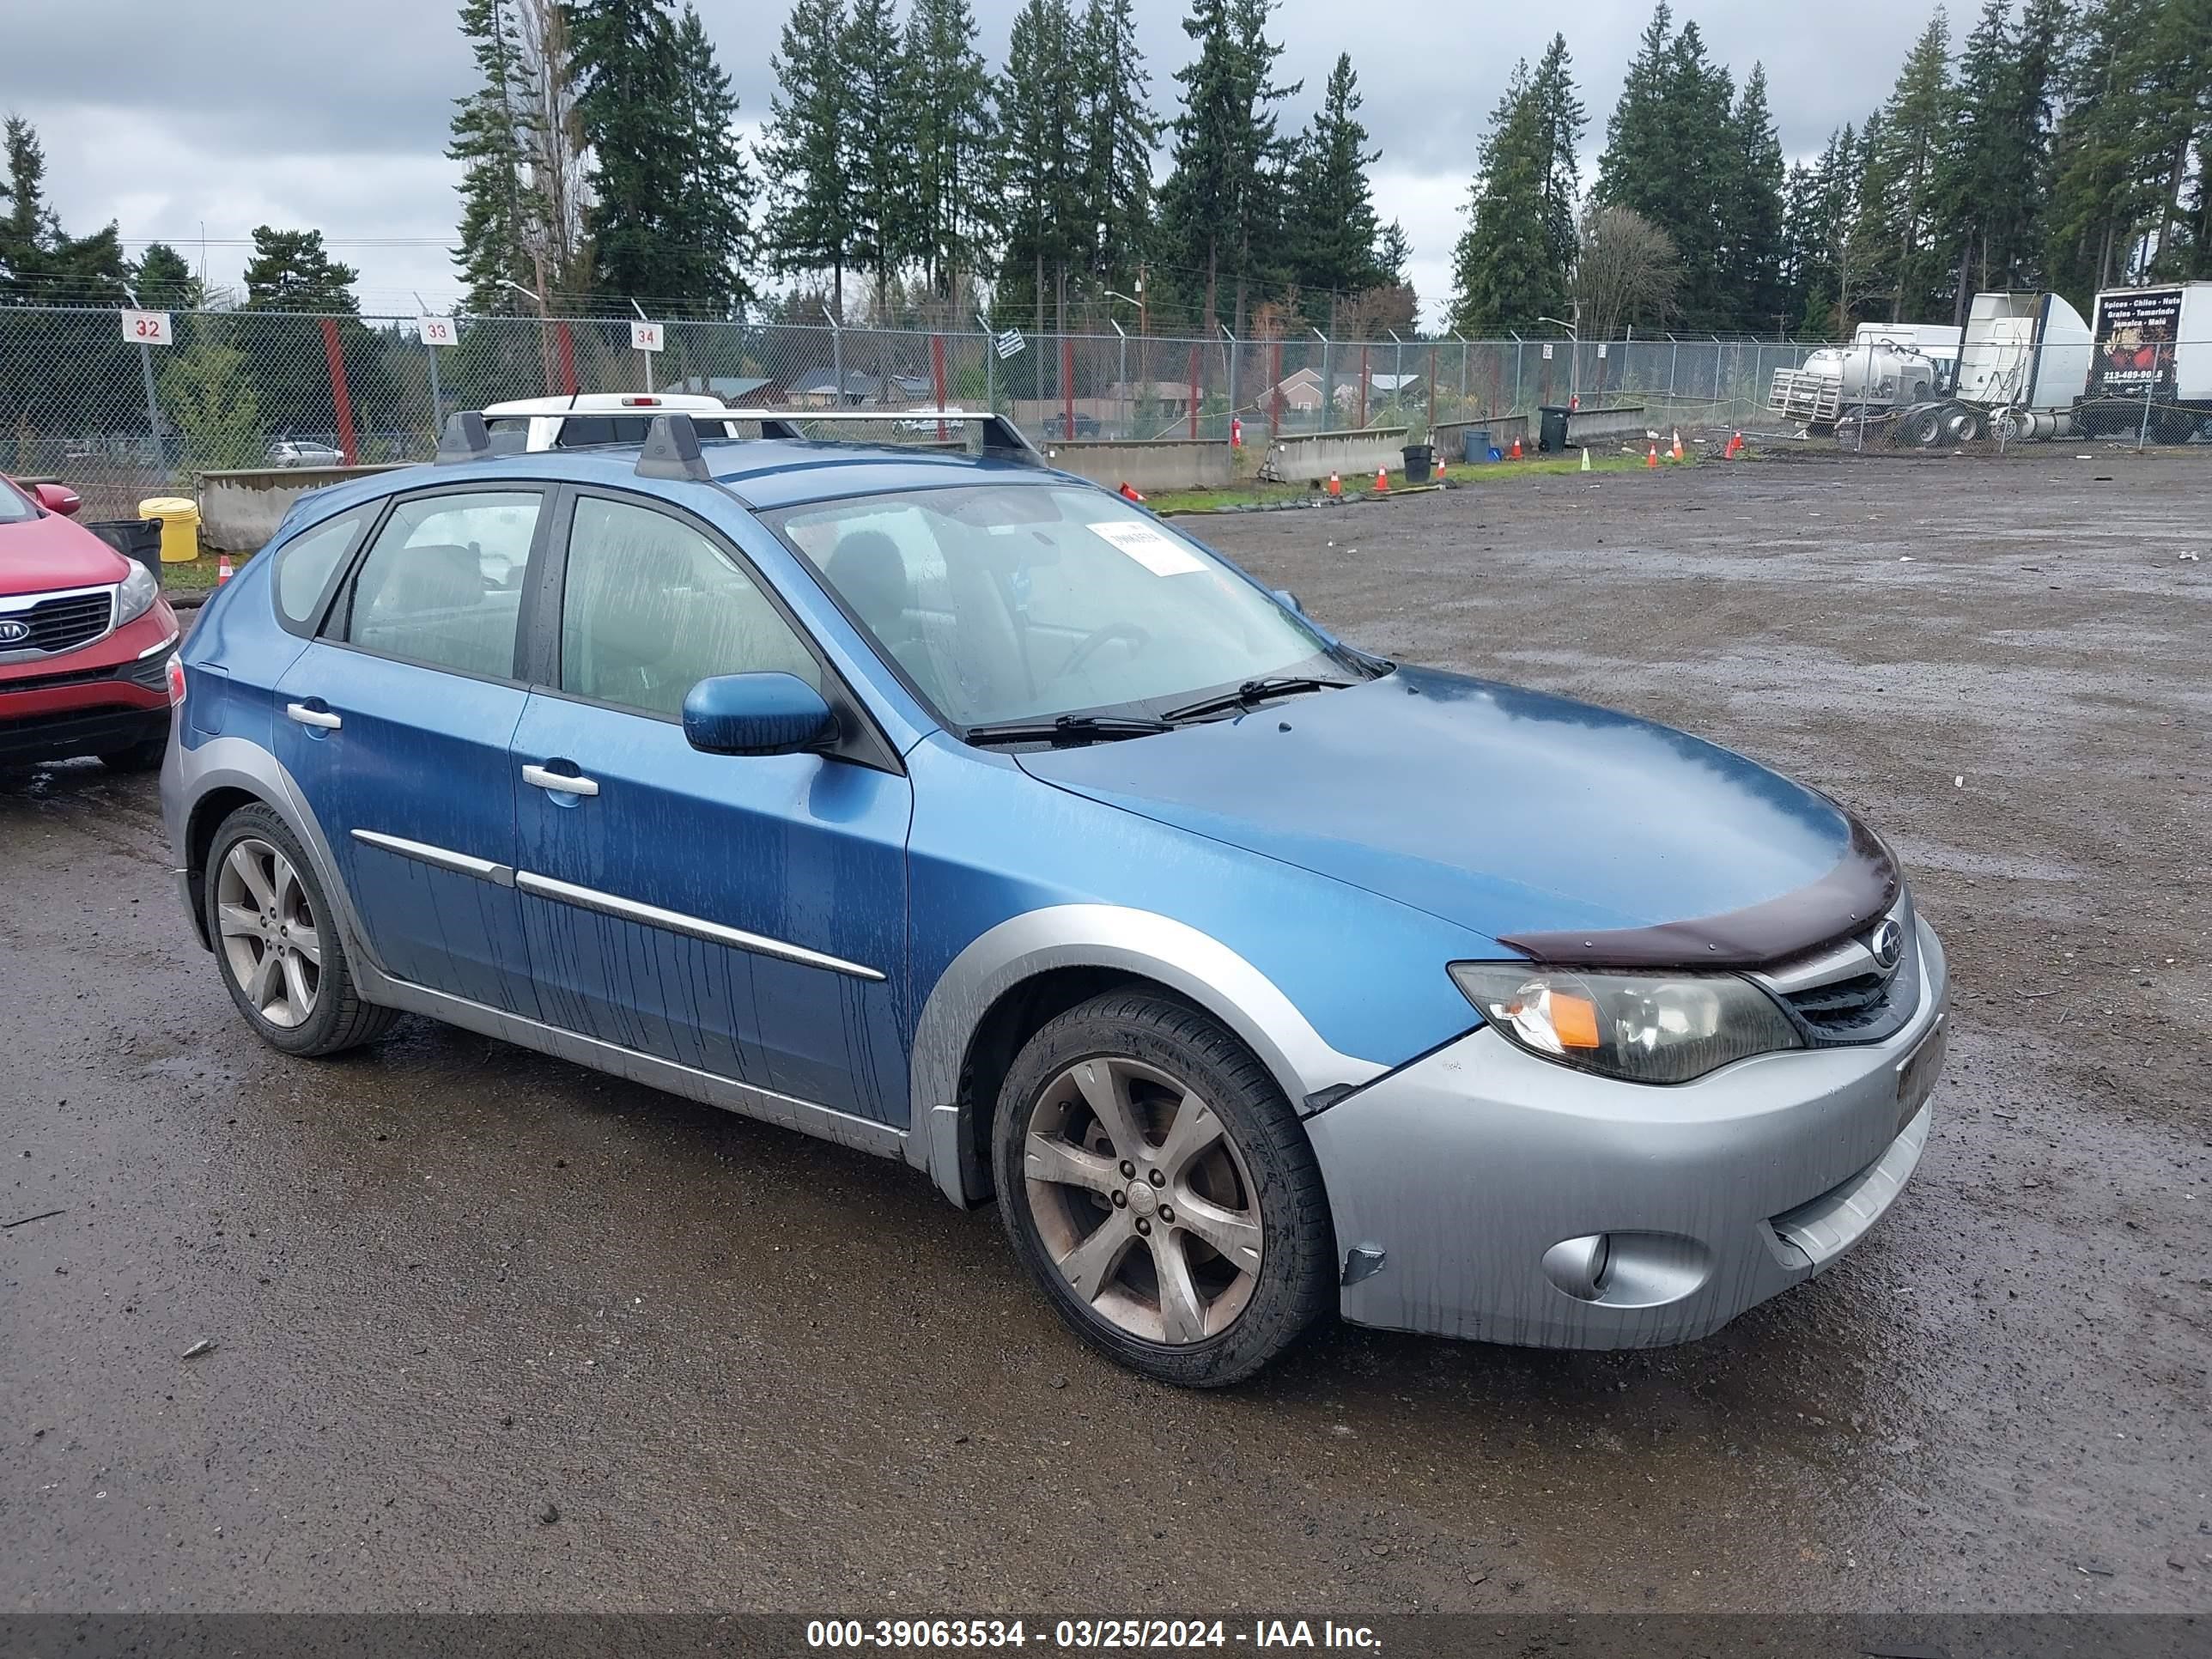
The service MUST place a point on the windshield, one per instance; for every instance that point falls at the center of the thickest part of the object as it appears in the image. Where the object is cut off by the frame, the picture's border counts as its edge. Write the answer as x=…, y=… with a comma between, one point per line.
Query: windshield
x=15, y=505
x=1025, y=602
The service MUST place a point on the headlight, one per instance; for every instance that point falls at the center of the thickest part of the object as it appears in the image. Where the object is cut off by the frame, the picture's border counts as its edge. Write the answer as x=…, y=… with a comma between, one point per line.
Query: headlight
x=140, y=590
x=1646, y=1028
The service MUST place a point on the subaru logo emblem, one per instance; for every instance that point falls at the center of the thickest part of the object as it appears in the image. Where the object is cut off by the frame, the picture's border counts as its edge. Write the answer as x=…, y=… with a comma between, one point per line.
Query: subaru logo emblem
x=14, y=633
x=1888, y=945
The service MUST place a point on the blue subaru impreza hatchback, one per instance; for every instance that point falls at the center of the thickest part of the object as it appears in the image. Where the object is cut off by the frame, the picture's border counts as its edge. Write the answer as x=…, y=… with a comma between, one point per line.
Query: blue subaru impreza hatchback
x=936, y=802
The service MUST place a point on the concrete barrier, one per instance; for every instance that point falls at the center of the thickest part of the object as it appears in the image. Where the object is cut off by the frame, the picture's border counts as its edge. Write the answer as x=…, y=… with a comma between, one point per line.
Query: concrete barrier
x=1588, y=425
x=1297, y=457
x=1451, y=436
x=240, y=511
x=1150, y=464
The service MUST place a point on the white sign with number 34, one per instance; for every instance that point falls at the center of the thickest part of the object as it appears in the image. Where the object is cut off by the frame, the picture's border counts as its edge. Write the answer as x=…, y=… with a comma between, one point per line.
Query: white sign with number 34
x=645, y=336
x=147, y=327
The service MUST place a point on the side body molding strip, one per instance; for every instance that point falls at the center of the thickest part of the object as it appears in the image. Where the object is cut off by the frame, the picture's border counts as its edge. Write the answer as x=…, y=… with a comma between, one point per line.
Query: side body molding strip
x=443, y=858
x=611, y=905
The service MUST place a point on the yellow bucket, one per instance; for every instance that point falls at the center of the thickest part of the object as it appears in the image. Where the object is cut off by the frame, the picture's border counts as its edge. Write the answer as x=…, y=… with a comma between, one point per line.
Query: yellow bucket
x=180, y=527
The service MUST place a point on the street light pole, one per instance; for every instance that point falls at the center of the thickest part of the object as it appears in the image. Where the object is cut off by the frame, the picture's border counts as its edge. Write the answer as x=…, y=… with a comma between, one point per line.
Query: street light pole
x=545, y=345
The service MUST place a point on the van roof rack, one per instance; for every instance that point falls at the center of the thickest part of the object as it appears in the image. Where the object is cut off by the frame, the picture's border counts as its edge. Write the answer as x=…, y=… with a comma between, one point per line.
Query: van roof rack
x=986, y=432
x=465, y=439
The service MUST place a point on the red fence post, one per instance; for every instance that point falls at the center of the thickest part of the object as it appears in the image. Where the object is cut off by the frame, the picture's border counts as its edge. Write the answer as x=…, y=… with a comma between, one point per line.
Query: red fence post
x=1067, y=385
x=334, y=353
x=568, y=345
x=1193, y=389
x=937, y=375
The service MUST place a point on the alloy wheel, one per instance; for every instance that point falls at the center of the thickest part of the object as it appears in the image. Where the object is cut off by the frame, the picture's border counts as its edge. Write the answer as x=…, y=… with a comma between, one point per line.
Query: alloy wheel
x=1142, y=1199
x=269, y=940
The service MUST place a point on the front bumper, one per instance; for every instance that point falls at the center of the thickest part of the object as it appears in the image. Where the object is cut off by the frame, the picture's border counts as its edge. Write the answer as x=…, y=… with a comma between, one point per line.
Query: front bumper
x=111, y=694
x=1461, y=1171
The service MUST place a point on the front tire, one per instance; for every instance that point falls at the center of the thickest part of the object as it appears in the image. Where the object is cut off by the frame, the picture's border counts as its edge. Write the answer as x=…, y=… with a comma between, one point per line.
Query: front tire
x=1157, y=1185
x=276, y=943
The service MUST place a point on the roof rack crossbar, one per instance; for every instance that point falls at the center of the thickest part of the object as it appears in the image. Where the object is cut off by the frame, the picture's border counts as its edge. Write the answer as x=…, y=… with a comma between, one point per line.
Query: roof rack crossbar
x=986, y=432
x=465, y=438
x=672, y=450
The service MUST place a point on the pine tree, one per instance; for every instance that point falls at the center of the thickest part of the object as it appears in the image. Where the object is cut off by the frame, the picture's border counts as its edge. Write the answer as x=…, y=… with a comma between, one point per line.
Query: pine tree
x=954, y=132
x=1222, y=209
x=631, y=111
x=490, y=139
x=1751, y=212
x=712, y=236
x=1332, y=229
x=1045, y=162
x=291, y=271
x=879, y=148
x=39, y=264
x=1817, y=230
x=1120, y=135
x=811, y=210
x=1505, y=273
x=164, y=281
x=1562, y=119
x=1898, y=204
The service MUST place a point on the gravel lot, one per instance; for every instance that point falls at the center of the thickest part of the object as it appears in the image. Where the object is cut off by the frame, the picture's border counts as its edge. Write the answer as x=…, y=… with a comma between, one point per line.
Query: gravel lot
x=496, y=1333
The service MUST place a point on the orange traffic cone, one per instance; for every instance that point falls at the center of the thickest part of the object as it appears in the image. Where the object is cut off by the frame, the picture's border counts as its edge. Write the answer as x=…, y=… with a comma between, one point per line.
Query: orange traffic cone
x=1678, y=443
x=1736, y=445
x=1652, y=461
x=1335, y=484
x=1129, y=492
x=221, y=569
x=1382, y=480
x=1517, y=449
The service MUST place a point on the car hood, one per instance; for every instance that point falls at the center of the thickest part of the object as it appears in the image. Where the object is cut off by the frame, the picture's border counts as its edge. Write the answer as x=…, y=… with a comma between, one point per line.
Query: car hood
x=40, y=555
x=1569, y=832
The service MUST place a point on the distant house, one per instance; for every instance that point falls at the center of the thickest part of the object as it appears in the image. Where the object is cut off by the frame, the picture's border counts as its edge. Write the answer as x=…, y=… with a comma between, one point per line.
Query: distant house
x=1300, y=390
x=738, y=390
x=817, y=388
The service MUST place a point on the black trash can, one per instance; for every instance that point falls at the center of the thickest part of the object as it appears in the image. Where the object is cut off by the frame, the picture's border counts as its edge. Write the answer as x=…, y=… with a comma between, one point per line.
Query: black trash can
x=134, y=538
x=1552, y=435
x=1418, y=459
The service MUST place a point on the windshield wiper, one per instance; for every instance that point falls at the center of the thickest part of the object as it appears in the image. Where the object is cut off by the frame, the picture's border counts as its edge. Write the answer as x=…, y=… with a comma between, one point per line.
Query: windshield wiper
x=1254, y=691
x=1068, y=728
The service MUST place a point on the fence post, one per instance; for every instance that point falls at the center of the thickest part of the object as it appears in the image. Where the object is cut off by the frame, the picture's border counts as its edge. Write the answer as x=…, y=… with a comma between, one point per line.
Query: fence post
x=1194, y=391
x=1674, y=357
x=1433, y=391
x=1364, y=378
x=1068, y=386
x=153, y=408
x=565, y=342
x=838, y=363
x=334, y=354
x=437, y=397
x=2142, y=434
x=1515, y=407
x=1232, y=338
x=937, y=377
x=1461, y=338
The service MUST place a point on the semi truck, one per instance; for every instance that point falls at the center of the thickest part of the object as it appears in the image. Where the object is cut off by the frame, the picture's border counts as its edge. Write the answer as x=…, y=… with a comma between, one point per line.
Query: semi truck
x=2149, y=371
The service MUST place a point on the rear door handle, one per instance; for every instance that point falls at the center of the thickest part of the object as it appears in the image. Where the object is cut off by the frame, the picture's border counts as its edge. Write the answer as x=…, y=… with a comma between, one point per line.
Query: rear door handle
x=561, y=781
x=307, y=716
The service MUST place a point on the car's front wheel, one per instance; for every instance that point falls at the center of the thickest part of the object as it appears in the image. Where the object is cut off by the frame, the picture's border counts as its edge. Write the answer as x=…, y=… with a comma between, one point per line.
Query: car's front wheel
x=281, y=958
x=1159, y=1189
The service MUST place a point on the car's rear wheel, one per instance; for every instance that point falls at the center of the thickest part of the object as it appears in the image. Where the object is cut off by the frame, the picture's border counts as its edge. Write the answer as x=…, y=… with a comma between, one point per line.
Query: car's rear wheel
x=138, y=757
x=1159, y=1189
x=280, y=952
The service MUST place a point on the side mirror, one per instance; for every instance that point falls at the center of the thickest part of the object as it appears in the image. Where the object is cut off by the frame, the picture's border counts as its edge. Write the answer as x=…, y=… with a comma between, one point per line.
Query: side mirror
x=1290, y=599
x=58, y=498
x=756, y=714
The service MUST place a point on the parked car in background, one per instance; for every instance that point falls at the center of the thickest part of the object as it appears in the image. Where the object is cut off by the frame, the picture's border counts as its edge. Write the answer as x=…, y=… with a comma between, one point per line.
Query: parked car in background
x=87, y=643
x=291, y=452
x=590, y=420
x=958, y=811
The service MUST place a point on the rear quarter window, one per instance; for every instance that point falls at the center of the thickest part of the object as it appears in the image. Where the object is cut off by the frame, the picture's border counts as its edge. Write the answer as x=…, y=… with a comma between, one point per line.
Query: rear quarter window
x=306, y=564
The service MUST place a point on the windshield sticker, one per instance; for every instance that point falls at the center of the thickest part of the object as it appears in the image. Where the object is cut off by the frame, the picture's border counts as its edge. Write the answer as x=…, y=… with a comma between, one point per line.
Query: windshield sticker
x=1149, y=548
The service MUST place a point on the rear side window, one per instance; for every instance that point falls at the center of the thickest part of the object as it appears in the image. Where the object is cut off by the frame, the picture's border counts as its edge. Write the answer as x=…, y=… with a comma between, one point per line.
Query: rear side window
x=442, y=583
x=305, y=563
x=652, y=607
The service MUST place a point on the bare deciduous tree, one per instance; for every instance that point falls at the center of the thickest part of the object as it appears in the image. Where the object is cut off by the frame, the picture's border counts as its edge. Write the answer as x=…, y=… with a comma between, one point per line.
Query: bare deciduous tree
x=1626, y=271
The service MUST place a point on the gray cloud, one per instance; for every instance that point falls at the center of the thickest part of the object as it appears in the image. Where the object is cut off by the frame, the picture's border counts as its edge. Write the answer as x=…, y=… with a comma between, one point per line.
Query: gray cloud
x=241, y=110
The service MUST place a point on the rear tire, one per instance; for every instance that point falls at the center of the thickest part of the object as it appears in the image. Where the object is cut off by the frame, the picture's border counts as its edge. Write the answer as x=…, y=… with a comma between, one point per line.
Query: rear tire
x=1133, y=1136
x=277, y=944
x=138, y=757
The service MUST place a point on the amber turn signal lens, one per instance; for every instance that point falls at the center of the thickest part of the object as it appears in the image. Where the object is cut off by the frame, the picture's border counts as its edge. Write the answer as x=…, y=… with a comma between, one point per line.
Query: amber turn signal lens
x=1574, y=1019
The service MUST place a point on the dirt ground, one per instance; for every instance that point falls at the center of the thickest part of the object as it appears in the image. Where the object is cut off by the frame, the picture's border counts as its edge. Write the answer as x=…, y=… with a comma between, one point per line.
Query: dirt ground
x=497, y=1333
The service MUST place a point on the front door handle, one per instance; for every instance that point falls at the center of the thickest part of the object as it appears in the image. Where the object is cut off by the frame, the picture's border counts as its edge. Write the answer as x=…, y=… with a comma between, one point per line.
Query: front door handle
x=307, y=716
x=560, y=781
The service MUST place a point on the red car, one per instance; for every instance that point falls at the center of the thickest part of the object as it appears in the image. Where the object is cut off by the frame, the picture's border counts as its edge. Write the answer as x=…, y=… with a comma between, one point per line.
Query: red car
x=87, y=641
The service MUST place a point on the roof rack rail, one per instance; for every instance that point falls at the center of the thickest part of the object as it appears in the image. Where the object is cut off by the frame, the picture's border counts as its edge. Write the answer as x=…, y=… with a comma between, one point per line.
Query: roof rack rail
x=672, y=450
x=987, y=433
x=465, y=439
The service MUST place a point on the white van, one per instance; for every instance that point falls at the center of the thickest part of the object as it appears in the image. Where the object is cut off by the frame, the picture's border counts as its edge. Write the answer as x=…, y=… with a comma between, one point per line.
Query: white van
x=591, y=418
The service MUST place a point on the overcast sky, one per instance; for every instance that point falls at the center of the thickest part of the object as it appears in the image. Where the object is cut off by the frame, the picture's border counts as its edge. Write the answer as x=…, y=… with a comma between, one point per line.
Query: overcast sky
x=230, y=113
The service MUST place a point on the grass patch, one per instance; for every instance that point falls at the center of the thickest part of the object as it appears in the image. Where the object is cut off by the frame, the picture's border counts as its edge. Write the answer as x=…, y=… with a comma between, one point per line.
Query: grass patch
x=1493, y=472
x=198, y=576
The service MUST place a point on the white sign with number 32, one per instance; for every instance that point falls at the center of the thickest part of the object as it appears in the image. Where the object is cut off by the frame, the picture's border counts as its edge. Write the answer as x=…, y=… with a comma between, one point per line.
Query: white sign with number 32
x=645, y=336
x=436, y=331
x=147, y=327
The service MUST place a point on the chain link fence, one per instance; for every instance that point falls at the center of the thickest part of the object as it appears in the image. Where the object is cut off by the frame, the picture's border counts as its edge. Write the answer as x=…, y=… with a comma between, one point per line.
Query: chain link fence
x=241, y=389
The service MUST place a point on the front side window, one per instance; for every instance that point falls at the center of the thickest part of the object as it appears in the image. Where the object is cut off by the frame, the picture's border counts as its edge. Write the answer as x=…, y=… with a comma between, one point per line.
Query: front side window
x=651, y=606
x=442, y=584
x=15, y=507
x=1019, y=602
